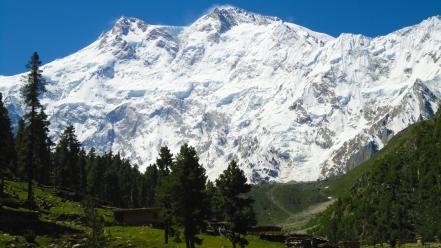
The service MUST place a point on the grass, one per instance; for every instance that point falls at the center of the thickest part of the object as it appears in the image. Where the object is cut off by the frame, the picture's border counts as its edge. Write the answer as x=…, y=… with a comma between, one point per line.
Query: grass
x=407, y=245
x=276, y=203
x=70, y=231
x=150, y=237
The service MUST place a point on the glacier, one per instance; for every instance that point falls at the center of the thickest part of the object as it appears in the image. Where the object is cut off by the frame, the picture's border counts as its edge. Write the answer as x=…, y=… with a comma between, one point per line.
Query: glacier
x=289, y=103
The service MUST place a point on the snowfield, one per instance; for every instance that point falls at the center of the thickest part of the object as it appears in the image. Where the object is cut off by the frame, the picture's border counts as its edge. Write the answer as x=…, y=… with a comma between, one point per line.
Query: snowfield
x=287, y=102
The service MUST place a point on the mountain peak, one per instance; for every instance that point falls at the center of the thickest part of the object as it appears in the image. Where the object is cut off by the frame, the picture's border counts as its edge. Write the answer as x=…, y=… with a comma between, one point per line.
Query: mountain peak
x=424, y=28
x=124, y=24
x=225, y=8
x=222, y=18
x=433, y=19
x=237, y=15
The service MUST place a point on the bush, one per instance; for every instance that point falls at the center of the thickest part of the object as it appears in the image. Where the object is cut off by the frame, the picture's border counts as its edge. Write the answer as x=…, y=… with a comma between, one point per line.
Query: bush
x=97, y=237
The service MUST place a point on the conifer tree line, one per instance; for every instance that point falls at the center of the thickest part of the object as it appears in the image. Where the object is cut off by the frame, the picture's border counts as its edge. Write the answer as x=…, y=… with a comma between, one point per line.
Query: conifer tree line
x=177, y=184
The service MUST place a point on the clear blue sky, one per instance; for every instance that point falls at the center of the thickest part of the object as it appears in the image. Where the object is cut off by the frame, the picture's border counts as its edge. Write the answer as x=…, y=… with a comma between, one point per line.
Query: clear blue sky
x=56, y=28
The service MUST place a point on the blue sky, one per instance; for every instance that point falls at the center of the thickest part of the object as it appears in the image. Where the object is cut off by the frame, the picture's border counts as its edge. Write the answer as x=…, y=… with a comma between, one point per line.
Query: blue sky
x=56, y=28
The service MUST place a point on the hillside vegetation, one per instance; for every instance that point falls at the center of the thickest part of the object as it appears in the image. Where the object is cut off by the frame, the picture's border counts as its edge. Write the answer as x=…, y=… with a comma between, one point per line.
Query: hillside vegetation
x=60, y=222
x=275, y=203
x=394, y=196
x=292, y=205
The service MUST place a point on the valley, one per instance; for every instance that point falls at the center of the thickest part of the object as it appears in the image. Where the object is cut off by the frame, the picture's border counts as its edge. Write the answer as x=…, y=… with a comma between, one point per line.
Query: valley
x=232, y=129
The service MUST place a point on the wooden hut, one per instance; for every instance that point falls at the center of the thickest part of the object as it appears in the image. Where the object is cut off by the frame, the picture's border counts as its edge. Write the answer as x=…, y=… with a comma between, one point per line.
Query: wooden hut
x=305, y=241
x=138, y=216
x=348, y=244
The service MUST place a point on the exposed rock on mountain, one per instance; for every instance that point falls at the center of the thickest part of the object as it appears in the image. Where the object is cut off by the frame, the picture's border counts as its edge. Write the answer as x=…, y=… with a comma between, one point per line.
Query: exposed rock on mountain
x=289, y=103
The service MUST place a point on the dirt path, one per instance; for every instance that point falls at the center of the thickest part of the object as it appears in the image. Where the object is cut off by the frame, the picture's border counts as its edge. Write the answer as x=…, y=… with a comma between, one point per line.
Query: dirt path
x=275, y=202
x=296, y=222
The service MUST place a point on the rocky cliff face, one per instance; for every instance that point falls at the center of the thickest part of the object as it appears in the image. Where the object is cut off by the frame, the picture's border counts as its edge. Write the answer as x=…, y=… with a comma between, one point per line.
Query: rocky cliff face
x=289, y=103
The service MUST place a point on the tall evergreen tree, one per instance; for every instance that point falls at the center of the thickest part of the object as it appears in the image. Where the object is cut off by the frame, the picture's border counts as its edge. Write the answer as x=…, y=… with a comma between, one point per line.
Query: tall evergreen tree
x=188, y=195
x=215, y=200
x=150, y=184
x=164, y=161
x=31, y=92
x=125, y=182
x=81, y=165
x=7, y=151
x=163, y=192
x=95, y=173
x=113, y=188
x=238, y=211
x=21, y=148
x=96, y=237
x=66, y=156
x=42, y=149
x=137, y=192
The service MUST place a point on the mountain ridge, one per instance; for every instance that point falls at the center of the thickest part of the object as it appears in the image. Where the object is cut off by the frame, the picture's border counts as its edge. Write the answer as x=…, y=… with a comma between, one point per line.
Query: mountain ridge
x=289, y=103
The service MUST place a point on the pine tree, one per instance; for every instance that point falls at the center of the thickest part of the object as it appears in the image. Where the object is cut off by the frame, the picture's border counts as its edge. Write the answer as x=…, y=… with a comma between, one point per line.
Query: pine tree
x=7, y=151
x=187, y=182
x=238, y=211
x=214, y=198
x=163, y=192
x=31, y=91
x=95, y=173
x=81, y=165
x=137, y=185
x=164, y=161
x=97, y=237
x=42, y=149
x=21, y=147
x=66, y=170
x=112, y=184
x=150, y=185
x=125, y=182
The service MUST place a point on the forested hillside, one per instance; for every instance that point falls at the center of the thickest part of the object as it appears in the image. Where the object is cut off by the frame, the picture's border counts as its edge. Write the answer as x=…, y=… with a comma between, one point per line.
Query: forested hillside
x=397, y=197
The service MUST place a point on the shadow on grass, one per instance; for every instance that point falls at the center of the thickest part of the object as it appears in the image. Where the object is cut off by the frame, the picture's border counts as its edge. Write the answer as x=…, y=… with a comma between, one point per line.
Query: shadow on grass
x=18, y=222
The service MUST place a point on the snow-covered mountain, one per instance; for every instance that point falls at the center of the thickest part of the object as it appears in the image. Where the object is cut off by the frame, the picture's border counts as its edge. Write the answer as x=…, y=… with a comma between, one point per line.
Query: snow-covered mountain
x=289, y=103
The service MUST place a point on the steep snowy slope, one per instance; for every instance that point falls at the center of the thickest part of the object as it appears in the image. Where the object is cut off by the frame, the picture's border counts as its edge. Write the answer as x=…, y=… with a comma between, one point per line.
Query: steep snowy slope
x=289, y=103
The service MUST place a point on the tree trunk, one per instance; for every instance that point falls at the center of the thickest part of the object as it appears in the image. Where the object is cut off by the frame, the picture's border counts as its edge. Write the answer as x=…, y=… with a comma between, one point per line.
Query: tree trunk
x=30, y=158
x=187, y=243
x=393, y=243
x=233, y=239
x=187, y=239
x=192, y=242
x=30, y=193
x=166, y=231
x=2, y=185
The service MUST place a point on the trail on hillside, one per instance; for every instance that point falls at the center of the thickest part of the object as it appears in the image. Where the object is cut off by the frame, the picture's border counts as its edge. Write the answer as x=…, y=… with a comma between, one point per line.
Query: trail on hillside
x=276, y=203
x=296, y=222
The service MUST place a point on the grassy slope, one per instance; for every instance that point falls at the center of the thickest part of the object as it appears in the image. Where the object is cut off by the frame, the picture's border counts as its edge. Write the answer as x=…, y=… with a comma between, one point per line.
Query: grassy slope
x=275, y=203
x=54, y=216
x=149, y=237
